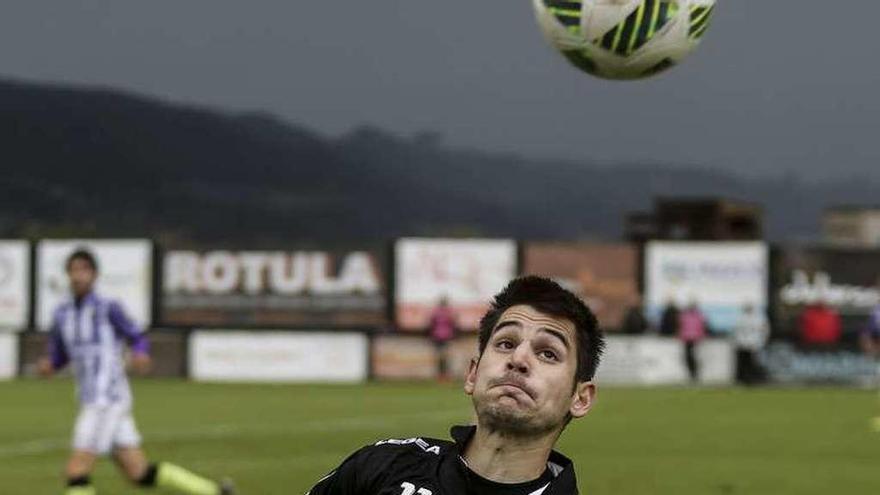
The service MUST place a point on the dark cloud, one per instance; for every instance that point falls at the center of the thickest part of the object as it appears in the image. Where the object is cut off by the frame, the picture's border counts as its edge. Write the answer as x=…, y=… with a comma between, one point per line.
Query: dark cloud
x=784, y=85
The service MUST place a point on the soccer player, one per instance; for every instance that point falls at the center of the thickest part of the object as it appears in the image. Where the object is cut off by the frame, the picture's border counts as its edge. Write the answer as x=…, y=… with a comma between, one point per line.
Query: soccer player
x=89, y=333
x=539, y=347
x=870, y=342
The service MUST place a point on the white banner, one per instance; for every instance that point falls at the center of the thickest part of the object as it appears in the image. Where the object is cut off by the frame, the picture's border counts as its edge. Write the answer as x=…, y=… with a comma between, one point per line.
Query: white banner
x=468, y=272
x=8, y=356
x=720, y=277
x=660, y=361
x=240, y=356
x=125, y=274
x=15, y=290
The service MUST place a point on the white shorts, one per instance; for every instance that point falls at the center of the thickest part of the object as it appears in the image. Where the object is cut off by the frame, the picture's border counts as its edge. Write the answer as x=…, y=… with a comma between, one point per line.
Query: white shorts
x=100, y=429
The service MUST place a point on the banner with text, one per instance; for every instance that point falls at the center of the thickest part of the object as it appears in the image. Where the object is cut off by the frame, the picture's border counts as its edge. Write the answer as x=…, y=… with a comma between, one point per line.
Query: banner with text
x=15, y=291
x=846, y=280
x=786, y=363
x=466, y=272
x=274, y=288
x=720, y=277
x=125, y=274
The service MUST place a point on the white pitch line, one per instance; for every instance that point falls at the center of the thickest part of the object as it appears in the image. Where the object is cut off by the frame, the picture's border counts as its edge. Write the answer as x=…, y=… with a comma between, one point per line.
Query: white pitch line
x=232, y=430
x=31, y=447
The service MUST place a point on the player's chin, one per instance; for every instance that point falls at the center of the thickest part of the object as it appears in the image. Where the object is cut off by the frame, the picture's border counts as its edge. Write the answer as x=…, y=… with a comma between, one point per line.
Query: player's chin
x=510, y=417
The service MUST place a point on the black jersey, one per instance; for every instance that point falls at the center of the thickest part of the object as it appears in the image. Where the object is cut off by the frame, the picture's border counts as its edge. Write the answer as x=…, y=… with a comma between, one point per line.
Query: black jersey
x=425, y=466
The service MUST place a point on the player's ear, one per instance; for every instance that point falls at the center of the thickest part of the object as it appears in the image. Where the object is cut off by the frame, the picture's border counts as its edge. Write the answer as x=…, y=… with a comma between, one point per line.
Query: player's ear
x=470, y=379
x=582, y=399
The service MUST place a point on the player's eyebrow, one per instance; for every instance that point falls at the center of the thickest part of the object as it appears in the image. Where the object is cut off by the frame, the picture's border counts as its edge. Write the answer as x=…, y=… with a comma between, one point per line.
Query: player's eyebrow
x=556, y=333
x=559, y=335
x=504, y=324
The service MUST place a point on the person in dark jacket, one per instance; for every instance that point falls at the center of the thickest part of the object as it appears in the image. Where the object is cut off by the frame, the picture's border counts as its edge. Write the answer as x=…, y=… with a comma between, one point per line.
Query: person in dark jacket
x=669, y=319
x=539, y=346
x=634, y=321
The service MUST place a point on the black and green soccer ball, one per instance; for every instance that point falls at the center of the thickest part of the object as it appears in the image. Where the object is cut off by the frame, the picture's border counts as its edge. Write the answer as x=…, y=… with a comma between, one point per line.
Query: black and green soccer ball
x=624, y=39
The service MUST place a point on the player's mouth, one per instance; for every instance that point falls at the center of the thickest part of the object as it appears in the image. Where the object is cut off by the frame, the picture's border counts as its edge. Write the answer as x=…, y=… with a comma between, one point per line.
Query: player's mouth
x=514, y=386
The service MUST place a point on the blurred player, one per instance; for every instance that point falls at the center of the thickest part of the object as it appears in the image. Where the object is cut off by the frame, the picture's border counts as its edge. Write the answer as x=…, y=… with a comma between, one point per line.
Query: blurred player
x=539, y=346
x=870, y=342
x=89, y=332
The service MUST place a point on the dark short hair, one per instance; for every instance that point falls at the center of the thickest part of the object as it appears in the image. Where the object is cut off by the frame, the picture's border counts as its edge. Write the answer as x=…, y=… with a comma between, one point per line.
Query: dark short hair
x=83, y=254
x=550, y=298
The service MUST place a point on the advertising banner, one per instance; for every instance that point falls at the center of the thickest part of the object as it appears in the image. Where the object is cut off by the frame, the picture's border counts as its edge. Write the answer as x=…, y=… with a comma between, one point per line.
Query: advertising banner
x=785, y=363
x=604, y=275
x=844, y=280
x=15, y=291
x=8, y=356
x=413, y=357
x=125, y=274
x=403, y=357
x=240, y=356
x=274, y=288
x=719, y=277
x=466, y=272
x=654, y=360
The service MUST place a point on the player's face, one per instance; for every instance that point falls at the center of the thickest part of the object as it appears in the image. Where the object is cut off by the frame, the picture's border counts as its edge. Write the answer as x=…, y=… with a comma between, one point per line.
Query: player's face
x=82, y=277
x=524, y=383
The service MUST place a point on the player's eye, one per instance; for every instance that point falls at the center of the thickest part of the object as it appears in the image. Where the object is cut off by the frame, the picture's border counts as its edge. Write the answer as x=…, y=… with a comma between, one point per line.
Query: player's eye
x=504, y=344
x=549, y=355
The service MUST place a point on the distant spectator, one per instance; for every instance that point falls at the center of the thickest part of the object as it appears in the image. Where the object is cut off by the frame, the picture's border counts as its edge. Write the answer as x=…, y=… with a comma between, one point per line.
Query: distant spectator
x=869, y=339
x=692, y=329
x=870, y=342
x=442, y=329
x=820, y=326
x=750, y=336
x=634, y=322
x=670, y=319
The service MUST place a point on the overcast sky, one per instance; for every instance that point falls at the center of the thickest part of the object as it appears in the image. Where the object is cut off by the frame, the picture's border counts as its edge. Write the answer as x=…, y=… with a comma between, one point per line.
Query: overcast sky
x=777, y=85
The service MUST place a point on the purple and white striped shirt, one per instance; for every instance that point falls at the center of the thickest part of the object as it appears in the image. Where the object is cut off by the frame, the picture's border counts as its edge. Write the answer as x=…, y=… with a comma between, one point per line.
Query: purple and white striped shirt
x=91, y=334
x=873, y=326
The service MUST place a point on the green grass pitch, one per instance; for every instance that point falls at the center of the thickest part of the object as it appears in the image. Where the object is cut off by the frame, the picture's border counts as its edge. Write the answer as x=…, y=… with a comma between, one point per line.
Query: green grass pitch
x=278, y=439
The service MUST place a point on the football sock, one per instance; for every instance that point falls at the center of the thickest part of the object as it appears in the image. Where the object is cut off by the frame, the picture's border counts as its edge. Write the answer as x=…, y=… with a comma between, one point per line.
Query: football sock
x=149, y=477
x=79, y=486
x=177, y=479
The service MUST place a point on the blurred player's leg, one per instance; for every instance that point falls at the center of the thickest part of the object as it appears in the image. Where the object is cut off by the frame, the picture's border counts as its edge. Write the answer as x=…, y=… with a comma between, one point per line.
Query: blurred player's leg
x=132, y=462
x=875, y=421
x=176, y=478
x=167, y=476
x=79, y=466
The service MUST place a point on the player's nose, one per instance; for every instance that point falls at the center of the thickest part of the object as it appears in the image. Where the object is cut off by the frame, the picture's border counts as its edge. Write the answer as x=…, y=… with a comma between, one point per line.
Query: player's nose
x=519, y=359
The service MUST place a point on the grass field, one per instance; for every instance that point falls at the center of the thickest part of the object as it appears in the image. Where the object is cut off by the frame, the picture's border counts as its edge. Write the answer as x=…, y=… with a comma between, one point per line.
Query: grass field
x=278, y=439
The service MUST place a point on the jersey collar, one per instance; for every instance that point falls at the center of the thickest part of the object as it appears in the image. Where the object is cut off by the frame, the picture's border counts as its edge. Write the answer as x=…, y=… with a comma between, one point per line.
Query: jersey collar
x=561, y=466
x=89, y=298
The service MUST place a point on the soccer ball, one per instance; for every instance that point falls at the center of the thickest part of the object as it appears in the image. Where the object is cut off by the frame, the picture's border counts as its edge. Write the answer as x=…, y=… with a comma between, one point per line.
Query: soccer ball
x=624, y=39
